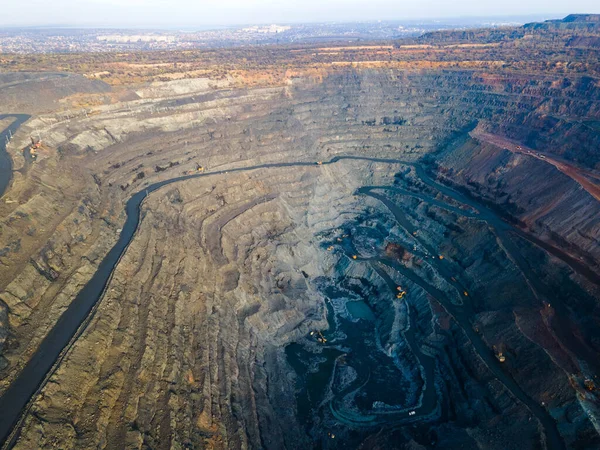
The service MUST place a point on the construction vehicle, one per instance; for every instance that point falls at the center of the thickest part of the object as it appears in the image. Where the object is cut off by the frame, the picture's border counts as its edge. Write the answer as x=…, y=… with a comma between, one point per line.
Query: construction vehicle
x=441, y=256
x=319, y=163
x=199, y=168
x=401, y=293
x=499, y=352
x=35, y=145
x=465, y=293
x=321, y=338
x=330, y=248
x=354, y=256
x=589, y=385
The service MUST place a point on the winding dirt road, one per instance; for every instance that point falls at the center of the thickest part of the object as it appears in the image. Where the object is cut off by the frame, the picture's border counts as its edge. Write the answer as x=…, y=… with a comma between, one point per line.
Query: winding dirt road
x=17, y=399
x=579, y=175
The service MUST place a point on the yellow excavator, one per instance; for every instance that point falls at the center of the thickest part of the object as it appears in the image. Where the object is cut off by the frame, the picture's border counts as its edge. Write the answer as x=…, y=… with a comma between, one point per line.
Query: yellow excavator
x=499, y=352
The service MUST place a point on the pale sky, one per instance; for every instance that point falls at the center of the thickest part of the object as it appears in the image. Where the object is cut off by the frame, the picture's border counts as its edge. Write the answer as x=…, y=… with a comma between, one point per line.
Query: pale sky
x=190, y=13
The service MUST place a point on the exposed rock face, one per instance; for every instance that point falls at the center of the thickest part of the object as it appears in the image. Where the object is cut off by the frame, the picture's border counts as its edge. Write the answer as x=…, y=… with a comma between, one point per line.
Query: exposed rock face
x=531, y=190
x=217, y=281
x=316, y=304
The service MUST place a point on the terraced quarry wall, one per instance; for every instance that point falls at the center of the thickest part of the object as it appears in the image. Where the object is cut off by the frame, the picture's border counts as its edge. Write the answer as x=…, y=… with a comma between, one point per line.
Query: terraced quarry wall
x=259, y=307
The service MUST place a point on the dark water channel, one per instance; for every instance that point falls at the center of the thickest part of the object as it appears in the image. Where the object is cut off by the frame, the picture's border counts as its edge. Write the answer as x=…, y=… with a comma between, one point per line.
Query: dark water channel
x=5, y=160
x=351, y=341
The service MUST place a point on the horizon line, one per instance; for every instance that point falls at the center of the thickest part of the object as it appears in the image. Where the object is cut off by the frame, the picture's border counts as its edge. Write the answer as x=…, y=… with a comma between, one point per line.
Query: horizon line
x=207, y=26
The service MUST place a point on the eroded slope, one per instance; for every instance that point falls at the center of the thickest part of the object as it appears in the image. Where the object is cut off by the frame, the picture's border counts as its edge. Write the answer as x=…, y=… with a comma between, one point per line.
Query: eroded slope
x=189, y=345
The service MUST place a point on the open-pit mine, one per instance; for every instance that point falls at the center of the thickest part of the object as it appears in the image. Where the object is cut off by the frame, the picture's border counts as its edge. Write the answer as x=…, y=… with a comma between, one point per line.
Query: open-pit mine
x=389, y=245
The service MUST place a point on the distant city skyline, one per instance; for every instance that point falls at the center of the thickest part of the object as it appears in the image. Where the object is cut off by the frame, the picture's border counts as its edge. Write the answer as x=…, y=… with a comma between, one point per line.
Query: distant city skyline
x=206, y=13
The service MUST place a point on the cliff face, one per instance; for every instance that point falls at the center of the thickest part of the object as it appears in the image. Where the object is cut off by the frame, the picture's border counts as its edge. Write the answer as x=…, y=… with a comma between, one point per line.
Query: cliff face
x=218, y=281
x=531, y=191
x=273, y=306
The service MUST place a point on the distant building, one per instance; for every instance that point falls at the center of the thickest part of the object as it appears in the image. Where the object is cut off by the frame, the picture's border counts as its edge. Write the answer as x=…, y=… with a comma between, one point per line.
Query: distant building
x=267, y=29
x=125, y=39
